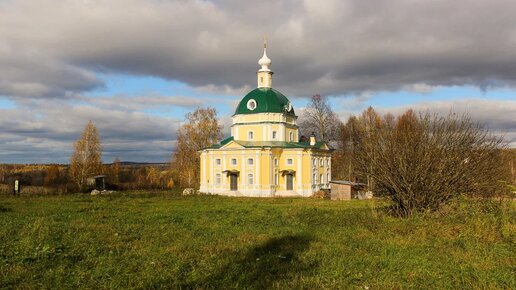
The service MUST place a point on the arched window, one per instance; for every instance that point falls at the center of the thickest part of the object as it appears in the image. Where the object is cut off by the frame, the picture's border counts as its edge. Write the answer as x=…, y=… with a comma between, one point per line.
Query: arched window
x=291, y=136
x=250, y=135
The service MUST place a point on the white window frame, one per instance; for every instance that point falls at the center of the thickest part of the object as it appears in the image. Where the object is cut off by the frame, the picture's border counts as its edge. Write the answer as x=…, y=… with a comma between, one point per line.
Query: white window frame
x=218, y=179
x=250, y=135
x=314, y=176
x=290, y=161
x=218, y=161
x=322, y=178
x=250, y=179
x=250, y=161
x=276, y=179
x=291, y=135
x=234, y=161
x=274, y=135
x=276, y=162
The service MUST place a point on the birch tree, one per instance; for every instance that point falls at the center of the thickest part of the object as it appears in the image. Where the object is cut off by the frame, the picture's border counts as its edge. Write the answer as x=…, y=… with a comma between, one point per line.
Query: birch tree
x=86, y=159
x=201, y=130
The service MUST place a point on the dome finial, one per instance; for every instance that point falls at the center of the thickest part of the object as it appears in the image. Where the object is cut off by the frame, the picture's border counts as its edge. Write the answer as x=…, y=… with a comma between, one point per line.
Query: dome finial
x=265, y=62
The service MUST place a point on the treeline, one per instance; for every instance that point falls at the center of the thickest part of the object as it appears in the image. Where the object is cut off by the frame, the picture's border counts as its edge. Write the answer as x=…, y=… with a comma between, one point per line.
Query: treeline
x=55, y=178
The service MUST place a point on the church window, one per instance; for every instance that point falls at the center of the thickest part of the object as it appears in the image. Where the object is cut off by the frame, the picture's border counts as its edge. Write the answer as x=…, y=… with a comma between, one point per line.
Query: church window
x=327, y=178
x=322, y=178
x=314, y=180
x=290, y=161
x=261, y=79
x=276, y=161
x=233, y=161
x=291, y=136
x=251, y=135
x=217, y=161
x=315, y=162
x=250, y=161
x=274, y=134
x=250, y=179
x=251, y=104
x=276, y=179
x=217, y=178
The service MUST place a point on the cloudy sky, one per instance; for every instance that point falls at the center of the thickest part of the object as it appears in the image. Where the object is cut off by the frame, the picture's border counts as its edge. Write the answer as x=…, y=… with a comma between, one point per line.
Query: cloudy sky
x=135, y=68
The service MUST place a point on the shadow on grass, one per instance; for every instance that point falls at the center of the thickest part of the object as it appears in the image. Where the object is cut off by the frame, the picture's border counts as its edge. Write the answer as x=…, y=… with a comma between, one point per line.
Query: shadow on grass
x=261, y=266
x=4, y=209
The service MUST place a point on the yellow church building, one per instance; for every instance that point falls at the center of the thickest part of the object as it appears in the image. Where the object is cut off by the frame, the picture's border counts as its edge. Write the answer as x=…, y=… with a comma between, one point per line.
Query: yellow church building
x=264, y=156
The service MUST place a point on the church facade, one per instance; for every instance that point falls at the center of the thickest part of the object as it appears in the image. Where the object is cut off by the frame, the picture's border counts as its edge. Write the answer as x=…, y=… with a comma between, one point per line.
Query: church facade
x=264, y=156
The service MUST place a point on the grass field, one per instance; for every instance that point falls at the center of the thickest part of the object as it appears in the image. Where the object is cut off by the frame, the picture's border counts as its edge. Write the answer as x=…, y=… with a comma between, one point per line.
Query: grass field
x=146, y=240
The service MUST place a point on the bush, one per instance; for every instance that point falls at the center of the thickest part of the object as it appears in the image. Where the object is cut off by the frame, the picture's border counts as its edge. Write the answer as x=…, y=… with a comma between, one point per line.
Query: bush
x=422, y=161
x=321, y=194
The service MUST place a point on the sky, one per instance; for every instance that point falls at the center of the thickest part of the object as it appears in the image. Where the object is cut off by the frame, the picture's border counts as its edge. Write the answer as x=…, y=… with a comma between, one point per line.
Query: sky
x=135, y=68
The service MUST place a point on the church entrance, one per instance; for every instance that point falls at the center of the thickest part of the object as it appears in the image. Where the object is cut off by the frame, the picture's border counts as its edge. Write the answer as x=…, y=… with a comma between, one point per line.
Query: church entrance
x=233, y=182
x=290, y=181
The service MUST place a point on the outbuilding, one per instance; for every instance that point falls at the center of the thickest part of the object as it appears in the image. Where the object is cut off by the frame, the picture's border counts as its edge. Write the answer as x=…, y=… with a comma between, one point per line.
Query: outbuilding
x=346, y=190
x=97, y=182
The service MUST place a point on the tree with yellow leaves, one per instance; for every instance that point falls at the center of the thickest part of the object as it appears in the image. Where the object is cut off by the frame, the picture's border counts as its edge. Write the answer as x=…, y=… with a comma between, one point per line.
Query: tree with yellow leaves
x=86, y=159
x=201, y=130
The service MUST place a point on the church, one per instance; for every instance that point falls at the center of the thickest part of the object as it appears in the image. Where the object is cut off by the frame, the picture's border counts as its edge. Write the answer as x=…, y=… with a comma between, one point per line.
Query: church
x=264, y=157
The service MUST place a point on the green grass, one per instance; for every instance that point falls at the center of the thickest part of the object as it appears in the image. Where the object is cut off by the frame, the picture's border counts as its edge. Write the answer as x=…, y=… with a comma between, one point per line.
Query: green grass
x=162, y=241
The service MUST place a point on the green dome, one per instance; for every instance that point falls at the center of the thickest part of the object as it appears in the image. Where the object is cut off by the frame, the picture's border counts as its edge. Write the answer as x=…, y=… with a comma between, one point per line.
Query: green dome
x=266, y=100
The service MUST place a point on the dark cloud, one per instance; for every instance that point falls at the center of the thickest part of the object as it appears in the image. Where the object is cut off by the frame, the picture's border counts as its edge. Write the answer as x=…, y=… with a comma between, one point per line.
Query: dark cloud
x=331, y=47
x=54, y=50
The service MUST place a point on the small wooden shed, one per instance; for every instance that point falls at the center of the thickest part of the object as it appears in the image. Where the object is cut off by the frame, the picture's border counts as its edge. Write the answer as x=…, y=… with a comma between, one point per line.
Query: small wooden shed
x=97, y=182
x=345, y=190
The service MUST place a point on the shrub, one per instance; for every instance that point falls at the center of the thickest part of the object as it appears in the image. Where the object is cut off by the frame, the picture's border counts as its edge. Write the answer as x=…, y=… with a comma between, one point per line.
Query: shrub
x=422, y=161
x=321, y=194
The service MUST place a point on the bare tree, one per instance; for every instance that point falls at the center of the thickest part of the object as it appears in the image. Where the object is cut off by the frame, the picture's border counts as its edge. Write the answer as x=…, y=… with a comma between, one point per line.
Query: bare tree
x=320, y=119
x=201, y=130
x=86, y=159
x=423, y=161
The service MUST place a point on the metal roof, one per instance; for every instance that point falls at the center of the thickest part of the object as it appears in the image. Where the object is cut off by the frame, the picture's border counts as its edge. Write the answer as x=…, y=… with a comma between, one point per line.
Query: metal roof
x=268, y=100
